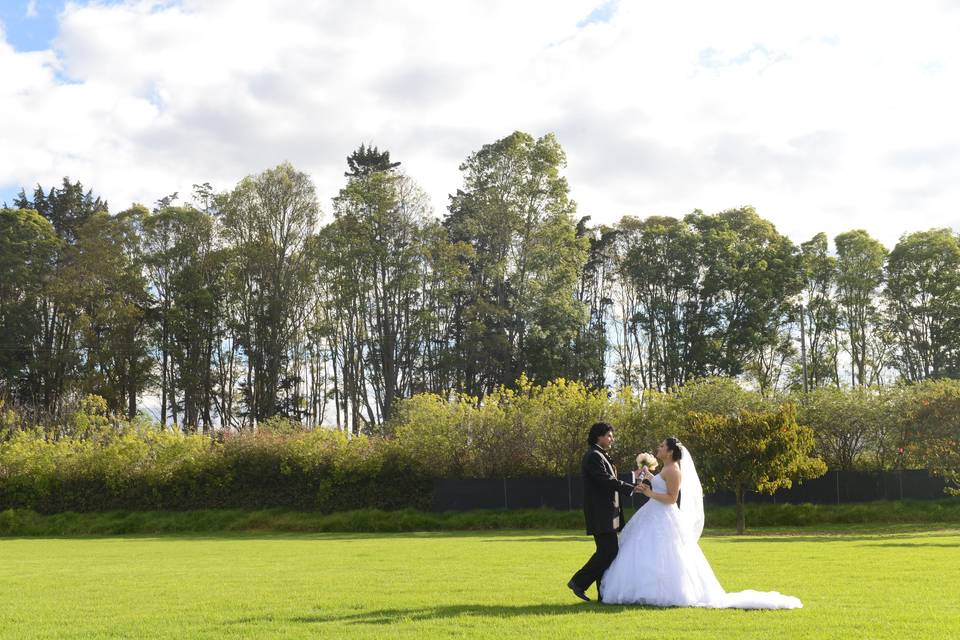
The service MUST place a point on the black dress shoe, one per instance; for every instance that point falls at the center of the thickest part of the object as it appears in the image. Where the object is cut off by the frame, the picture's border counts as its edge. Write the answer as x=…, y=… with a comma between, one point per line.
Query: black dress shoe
x=577, y=591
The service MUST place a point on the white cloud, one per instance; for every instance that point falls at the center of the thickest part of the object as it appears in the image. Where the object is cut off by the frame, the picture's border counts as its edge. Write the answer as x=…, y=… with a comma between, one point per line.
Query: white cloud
x=825, y=116
x=31, y=11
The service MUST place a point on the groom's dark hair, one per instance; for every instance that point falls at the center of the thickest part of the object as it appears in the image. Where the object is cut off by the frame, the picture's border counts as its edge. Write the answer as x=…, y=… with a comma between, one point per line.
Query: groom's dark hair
x=598, y=429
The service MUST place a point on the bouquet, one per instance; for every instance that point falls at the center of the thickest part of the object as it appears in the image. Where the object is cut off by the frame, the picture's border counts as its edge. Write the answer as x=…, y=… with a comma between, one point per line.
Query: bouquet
x=646, y=463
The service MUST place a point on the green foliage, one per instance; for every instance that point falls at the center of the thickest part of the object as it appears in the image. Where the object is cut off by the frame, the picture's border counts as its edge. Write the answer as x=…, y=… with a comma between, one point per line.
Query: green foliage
x=519, y=312
x=9, y=420
x=240, y=306
x=752, y=451
x=711, y=292
x=923, y=290
x=745, y=442
x=558, y=414
x=268, y=221
x=848, y=424
x=932, y=429
x=717, y=395
x=538, y=430
x=382, y=227
x=430, y=427
x=860, y=260
x=820, y=315
x=28, y=244
x=102, y=467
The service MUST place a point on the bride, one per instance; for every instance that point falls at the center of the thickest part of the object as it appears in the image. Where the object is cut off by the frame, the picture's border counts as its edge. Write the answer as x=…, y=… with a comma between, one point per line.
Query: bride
x=660, y=562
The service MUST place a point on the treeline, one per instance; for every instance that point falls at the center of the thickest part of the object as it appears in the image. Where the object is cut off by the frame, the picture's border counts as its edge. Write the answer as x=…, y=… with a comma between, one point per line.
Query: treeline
x=742, y=441
x=241, y=305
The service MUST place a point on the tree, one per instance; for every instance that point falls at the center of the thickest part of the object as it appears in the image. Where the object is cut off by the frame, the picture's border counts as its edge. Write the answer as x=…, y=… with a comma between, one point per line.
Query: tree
x=752, y=451
x=752, y=273
x=859, y=279
x=104, y=281
x=932, y=434
x=663, y=265
x=340, y=313
x=594, y=292
x=57, y=361
x=923, y=295
x=366, y=160
x=844, y=421
x=820, y=313
x=444, y=277
x=386, y=215
x=28, y=245
x=709, y=296
x=519, y=311
x=184, y=267
x=67, y=207
x=267, y=221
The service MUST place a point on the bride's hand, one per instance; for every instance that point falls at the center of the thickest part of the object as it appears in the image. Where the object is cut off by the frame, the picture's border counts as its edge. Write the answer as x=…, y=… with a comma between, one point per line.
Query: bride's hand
x=645, y=489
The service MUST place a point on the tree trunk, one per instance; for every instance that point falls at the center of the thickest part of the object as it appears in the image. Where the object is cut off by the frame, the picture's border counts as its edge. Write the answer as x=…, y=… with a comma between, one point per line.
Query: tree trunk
x=741, y=519
x=132, y=389
x=163, y=382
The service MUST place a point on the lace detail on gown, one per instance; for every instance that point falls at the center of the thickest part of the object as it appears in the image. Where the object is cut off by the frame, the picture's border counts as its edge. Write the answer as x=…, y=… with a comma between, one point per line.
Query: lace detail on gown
x=660, y=563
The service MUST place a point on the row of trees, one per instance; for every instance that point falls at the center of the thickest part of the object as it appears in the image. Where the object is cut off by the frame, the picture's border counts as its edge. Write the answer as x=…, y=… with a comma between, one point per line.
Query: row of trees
x=241, y=305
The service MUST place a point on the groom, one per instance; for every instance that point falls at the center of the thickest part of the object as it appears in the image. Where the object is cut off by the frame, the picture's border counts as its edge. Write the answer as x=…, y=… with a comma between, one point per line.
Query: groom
x=601, y=508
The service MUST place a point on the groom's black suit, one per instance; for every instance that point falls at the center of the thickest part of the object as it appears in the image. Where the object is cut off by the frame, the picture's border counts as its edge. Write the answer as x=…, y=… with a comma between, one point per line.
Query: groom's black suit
x=603, y=513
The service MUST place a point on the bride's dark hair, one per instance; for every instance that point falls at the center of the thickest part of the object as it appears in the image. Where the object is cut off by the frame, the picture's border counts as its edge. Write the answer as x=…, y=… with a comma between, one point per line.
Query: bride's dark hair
x=674, y=446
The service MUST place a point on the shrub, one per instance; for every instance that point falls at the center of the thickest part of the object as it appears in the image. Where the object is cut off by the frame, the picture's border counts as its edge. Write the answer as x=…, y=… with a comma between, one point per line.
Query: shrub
x=845, y=422
x=932, y=428
x=752, y=451
x=94, y=461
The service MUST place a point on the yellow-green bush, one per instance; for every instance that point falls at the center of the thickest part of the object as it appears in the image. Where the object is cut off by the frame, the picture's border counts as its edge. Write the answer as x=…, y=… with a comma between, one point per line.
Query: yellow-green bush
x=95, y=461
x=109, y=463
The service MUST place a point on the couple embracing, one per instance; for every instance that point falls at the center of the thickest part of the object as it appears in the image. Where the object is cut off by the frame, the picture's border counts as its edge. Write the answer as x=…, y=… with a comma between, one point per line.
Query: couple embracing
x=657, y=559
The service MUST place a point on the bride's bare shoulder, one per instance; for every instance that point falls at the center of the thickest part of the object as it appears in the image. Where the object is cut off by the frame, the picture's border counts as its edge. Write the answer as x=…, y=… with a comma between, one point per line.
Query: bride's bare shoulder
x=671, y=472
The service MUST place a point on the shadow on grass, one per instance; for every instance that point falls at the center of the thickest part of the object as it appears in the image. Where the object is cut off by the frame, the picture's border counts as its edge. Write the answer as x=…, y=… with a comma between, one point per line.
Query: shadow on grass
x=418, y=614
x=391, y=616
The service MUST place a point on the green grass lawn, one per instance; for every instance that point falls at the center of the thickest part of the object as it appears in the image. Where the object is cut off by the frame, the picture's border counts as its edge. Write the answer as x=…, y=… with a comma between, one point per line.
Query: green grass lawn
x=884, y=583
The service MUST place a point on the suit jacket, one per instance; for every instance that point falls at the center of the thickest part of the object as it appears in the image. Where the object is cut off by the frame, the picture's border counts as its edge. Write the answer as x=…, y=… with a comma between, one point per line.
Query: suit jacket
x=602, y=508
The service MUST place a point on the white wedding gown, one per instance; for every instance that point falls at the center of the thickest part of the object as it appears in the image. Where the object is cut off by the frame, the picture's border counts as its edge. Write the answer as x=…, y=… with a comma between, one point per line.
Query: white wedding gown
x=660, y=562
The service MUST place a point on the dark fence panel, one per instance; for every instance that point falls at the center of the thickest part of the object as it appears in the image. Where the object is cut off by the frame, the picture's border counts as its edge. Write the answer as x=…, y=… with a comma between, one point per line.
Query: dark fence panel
x=465, y=494
x=839, y=487
x=835, y=487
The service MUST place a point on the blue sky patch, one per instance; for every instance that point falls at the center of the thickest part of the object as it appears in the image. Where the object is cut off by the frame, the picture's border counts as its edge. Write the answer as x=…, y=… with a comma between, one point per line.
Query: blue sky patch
x=8, y=193
x=603, y=13
x=30, y=26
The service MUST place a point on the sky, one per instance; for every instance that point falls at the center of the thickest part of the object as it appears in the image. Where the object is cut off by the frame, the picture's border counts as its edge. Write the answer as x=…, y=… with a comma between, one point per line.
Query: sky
x=824, y=116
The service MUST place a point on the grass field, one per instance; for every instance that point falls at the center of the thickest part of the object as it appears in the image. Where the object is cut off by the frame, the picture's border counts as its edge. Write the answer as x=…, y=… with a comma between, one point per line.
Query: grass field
x=889, y=583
